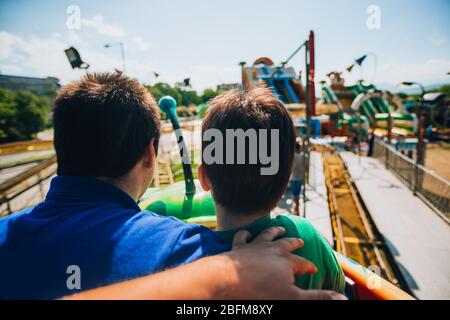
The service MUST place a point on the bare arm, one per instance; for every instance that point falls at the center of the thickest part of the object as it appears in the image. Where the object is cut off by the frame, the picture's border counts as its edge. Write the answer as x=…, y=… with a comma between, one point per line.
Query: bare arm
x=263, y=269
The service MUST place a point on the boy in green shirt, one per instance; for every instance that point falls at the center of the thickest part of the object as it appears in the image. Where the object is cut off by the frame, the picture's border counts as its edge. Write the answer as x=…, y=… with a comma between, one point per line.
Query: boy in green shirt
x=238, y=128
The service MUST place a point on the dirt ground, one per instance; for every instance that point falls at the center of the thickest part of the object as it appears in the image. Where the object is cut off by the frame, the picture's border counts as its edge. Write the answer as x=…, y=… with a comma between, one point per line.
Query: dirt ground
x=438, y=158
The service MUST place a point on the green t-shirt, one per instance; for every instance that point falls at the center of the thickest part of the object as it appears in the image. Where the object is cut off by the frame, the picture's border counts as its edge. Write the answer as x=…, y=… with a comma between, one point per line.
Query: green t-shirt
x=316, y=249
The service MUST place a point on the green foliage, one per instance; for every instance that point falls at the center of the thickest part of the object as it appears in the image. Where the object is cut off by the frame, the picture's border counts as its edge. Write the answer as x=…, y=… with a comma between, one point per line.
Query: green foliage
x=161, y=89
x=182, y=96
x=189, y=97
x=208, y=94
x=22, y=115
x=202, y=110
x=444, y=89
x=416, y=96
x=402, y=95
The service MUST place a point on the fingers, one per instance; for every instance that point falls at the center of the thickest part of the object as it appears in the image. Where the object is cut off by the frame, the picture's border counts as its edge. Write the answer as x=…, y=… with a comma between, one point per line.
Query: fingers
x=270, y=234
x=289, y=244
x=241, y=238
x=302, y=266
x=319, y=295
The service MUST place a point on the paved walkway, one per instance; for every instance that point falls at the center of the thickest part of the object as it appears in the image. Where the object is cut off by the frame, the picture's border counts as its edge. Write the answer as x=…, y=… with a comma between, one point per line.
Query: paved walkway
x=317, y=209
x=417, y=237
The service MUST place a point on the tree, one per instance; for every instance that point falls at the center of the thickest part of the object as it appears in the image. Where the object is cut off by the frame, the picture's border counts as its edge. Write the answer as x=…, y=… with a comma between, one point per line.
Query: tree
x=155, y=92
x=402, y=95
x=7, y=116
x=189, y=97
x=201, y=110
x=443, y=89
x=181, y=95
x=208, y=94
x=162, y=89
x=22, y=115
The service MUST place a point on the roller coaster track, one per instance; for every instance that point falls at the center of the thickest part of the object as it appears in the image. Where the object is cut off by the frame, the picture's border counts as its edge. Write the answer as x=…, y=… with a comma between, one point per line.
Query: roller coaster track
x=355, y=234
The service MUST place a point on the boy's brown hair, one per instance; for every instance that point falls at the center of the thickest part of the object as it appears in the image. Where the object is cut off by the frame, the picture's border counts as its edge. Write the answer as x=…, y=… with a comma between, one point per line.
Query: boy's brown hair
x=240, y=188
x=103, y=124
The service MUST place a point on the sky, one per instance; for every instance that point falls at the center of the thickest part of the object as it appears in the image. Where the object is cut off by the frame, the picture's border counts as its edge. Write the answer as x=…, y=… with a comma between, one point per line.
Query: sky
x=206, y=39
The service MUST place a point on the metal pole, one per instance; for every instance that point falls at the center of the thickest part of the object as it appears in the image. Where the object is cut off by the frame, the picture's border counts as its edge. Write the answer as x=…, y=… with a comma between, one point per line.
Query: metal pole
x=306, y=141
x=420, y=141
x=122, y=49
x=420, y=145
x=389, y=127
x=122, y=53
x=358, y=113
x=286, y=61
x=312, y=67
x=168, y=105
x=375, y=58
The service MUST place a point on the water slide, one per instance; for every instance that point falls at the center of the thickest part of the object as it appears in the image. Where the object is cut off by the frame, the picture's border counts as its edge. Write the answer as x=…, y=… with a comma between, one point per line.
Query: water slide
x=375, y=107
x=282, y=81
x=283, y=88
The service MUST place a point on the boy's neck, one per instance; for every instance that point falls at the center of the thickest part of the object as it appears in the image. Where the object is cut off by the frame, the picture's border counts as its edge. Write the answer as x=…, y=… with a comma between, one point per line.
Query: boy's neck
x=229, y=221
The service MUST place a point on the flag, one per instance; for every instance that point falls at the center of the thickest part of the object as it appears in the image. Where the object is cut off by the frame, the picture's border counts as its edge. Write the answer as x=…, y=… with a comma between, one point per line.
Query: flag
x=360, y=60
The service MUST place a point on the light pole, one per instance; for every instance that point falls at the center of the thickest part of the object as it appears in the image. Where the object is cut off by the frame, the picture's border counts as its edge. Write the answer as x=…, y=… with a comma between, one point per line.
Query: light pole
x=122, y=51
x=75, y=59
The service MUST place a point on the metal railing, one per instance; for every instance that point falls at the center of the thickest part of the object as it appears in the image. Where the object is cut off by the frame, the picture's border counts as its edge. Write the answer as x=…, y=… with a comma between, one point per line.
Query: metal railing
x=23, y=146
x=26, y=189
x=433, y=189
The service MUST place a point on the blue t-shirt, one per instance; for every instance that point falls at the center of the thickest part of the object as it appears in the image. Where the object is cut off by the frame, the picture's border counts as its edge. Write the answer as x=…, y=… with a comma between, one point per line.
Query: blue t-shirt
x=94, y=226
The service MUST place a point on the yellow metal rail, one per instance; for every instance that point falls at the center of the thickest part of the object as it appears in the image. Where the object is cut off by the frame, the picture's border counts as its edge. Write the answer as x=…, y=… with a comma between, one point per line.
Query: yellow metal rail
x=16, y=186
x=355, y=234
x=23, y=146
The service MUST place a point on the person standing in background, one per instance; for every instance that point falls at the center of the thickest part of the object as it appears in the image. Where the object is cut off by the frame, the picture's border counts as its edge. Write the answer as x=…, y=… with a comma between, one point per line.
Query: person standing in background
x=296, y=180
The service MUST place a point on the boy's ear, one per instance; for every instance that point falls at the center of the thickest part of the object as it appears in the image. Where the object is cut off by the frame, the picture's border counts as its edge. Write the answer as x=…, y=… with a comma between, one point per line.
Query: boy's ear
x=150, y=155
x=203, y=178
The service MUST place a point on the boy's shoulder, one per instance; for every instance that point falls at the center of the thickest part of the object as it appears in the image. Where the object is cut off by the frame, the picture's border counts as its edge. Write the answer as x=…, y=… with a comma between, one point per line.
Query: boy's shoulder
x=147, y=225
x=173, y=240
x=297, y=226
x=317, y=250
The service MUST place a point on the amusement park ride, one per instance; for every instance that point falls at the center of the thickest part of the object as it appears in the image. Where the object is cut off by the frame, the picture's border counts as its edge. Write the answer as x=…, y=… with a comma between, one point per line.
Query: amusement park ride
x=337, y=112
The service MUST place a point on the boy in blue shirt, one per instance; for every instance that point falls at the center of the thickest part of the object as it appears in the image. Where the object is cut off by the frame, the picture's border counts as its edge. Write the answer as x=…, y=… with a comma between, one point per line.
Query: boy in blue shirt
x=89, y=231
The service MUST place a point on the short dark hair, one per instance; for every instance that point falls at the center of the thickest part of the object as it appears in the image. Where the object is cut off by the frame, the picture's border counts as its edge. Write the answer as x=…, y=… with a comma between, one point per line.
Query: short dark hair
x=103, y=123
x=241, y=188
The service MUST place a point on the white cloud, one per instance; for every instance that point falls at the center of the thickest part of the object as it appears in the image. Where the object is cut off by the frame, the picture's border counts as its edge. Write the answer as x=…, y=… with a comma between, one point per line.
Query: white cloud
x=430, y=71
x=73, y=36
x=102, y=27
x=34, y=56
x=438, y=39
x=209, y=76
x=140, y=43
x=44, y=56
